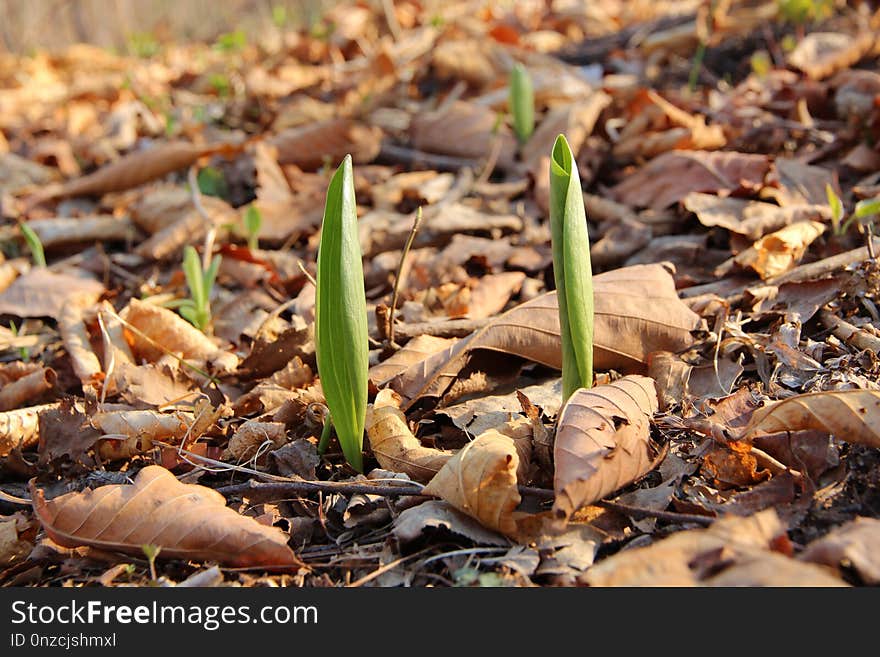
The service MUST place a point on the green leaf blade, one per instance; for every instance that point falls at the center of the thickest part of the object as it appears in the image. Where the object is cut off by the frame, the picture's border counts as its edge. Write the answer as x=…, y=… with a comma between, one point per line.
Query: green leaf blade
x=572, y=269
x=522, y=103
x=341, y=316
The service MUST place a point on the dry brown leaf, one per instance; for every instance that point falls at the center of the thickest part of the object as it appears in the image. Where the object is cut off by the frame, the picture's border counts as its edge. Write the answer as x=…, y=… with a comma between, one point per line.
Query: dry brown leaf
x=249, y=438
x=14, y=545
x=791, y=182
x=168, y=329
x=753, y=219
x=415, y=351
x=851, y=415
x=395, y=446
x=480, y=480
x=486, y=297
x=670, y=177
x=853, y=545
x=437, y=515
x=462, y=130
x=27, y=388
x=44, y=293
x=733, y=465
x=20, y=428
x=821, y=54
x=637, y=312
x=685, y=557
x=774, y=569
x=779, y=252
x=186, y=521
x=138, y=168
x=309, y=146
x=603, y=441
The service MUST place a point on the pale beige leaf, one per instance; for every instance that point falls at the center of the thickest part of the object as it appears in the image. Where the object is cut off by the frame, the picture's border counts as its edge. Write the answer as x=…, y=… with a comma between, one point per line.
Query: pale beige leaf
x=44, y=293
x=753, y=219
x=395, y=446
x=186, y=521
x=603, y=441
x=774, y=569
x=166, y=329
x=415, y=351
x=671, y=176
x=820, y=54
x=854, y=545
x=851, y=415
x=480, y=480
x=778, y=252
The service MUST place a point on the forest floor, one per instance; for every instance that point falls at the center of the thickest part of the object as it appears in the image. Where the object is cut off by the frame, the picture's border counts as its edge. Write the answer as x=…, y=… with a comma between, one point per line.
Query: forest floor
x=152, y=433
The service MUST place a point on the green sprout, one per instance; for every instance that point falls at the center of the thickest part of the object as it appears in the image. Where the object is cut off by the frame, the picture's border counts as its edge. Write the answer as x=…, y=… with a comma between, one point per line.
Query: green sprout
x=341, y=339
x=231, y=41
x=253, y=220
x=522, y=103
x=34, y=244
x=197, y=309
x=212, y=182
x=151, y=552
x=279, y=16
x=23, y=352
x=572, y=269
x=800, y=12
x=836, y=206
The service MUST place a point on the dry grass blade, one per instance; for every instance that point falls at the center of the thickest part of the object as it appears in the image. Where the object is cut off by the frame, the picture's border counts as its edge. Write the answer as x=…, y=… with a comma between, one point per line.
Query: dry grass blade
x=602, y=441
x=851, y=415
x=186, y=521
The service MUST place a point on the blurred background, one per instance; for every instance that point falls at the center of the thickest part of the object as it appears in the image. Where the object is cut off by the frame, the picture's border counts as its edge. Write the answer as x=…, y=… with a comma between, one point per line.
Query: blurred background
x=134, y=26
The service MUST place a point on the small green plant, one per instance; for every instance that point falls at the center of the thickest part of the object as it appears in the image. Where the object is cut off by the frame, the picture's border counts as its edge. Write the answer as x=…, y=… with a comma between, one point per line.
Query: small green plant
x=23, y=352
x=341, y=339
x=522, y=103
x=212, y=182
x=836, y=206
x=253, y=221
x=151, y=552
x=220, y=84
x=800, y=12
x=34, y=244
x=231, y=41
x=197, y=308
x=279, y=16
x=761, y=63
x=143, y=45
x=572, y=269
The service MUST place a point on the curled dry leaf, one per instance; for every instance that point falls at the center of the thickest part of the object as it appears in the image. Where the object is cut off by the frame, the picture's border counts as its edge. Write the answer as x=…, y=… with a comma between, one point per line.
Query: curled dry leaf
x=670, y=177
x=603, y=441
x=137, y=168
x=186, y=521
x=821, y=54
x=249, y=439
x=20, y=428
x=395, y=446
x=851, y=415
x=776, y=253
x=480, y=480
x=168, y=329
x=26, y=388
x=637, y=312
x=853, y=545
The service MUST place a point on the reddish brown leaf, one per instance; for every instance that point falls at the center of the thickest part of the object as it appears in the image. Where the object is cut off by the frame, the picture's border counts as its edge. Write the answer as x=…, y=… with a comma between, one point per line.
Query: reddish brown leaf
x=187, y=521
x=309, y=146
x=603, y=441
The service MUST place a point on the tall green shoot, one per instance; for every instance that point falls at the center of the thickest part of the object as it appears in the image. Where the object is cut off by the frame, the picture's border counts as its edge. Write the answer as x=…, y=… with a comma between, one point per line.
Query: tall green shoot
x=572, y=269
x=341, y=339
x=34, y=244
x=522, y=103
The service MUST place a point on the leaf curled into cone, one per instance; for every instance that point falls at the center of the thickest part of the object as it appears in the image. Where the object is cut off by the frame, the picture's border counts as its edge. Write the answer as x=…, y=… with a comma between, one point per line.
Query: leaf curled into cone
x=341, y=316
x=186, y=521
x=602, y=441
x=572, y=269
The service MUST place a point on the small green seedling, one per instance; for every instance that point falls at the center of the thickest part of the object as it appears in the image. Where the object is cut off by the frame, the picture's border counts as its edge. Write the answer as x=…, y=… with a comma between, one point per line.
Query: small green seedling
x=572, y=269
x=836, y=206
x=34, y=244
x=522, y=103
x=151, y=552
x=341, y=339
x=253, y=221
x=197, y=309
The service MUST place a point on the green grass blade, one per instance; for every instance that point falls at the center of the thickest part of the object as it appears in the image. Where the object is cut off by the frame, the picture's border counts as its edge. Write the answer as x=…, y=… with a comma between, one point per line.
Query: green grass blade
x=522, y=103
x=572, y=269
x=341, y=316
x=836, y=206
x=866, y=208
x=34, y=244
x=192, y=269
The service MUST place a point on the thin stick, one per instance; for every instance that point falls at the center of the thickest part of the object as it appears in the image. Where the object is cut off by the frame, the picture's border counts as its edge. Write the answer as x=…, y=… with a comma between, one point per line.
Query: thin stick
x=389, y=329
x=279, y=490
x=670, y=516
x=196, y=195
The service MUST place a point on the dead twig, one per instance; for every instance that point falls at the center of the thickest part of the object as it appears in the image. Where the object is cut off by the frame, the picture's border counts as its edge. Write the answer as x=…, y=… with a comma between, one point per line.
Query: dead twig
x=389, y=319
x=669, y=516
